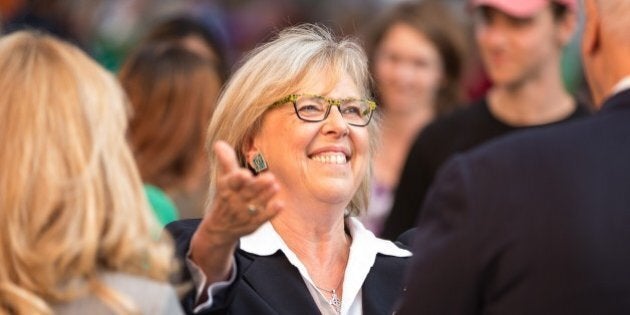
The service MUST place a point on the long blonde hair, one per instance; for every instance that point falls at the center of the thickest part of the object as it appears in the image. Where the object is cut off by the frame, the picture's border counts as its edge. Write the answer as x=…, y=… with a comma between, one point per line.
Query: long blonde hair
x=71, y=200
x=275, y=69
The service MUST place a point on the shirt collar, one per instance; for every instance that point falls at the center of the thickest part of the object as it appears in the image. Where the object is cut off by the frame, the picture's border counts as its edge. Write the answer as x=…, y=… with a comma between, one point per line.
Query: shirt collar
x=266, y=241
x=365, y=247
x=624, y=84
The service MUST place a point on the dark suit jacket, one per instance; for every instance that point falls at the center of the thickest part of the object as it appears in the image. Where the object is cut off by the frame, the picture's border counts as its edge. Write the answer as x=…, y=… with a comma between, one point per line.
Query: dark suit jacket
x=271, y=285
x=536, y=223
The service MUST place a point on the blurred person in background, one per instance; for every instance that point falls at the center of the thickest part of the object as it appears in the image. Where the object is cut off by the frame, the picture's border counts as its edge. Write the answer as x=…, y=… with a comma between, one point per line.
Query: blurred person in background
x=66, y=19
x=76, y=231
x=416, y=53
x=521, y=44
x=8, y=9
x=194, y=35
x=173, y=92
x=538, y=222
x=173, y=80
x=293, y=142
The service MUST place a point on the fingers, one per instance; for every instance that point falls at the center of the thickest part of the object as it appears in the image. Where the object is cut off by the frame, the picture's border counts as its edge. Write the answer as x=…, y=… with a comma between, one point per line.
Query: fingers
x=243, y=201
x=242, y=190
x=226, y=157
x=260, y=186
x=236, y=180
x=262, y=192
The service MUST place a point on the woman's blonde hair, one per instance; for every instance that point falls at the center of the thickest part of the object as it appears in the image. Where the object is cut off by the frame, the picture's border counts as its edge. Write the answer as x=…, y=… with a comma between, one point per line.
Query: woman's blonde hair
x=71, y=201
x=297, y=56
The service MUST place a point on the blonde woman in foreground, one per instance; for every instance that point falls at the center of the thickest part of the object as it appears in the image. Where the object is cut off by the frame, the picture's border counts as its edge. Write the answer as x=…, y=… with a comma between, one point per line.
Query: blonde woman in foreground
x=76, y=233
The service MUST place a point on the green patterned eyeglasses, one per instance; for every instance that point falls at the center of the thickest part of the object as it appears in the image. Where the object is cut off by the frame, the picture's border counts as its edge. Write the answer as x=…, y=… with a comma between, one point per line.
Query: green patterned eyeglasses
x=314, y=108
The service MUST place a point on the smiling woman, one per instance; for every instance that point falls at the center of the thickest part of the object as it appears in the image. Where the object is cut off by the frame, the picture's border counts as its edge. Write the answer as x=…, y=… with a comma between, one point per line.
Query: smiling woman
x=281, y=239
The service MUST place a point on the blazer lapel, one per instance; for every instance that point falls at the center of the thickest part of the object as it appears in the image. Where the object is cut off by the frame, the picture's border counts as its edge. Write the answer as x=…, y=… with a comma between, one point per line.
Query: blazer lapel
x=383, y=285
x=280, y=284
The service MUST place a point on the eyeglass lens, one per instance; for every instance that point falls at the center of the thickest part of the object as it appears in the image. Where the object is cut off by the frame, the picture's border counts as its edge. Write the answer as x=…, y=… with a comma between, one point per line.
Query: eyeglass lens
x=315, y=108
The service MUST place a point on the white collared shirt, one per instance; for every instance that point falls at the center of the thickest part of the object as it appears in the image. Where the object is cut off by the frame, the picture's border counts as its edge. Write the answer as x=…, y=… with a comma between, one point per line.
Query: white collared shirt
x=266, y=241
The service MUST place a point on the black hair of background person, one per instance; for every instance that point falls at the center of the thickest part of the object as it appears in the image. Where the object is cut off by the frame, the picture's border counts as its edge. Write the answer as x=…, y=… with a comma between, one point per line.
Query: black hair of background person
x=178, y=27
x=49, y=16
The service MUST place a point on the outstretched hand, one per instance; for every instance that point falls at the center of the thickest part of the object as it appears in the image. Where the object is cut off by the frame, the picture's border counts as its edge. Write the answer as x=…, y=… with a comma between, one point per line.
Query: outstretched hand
x=242, y=203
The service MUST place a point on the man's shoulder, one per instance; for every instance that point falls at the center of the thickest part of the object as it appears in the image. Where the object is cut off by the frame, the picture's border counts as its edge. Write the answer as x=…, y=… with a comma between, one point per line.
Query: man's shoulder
x=543, y=139
x=551, y=142
x=579, y=131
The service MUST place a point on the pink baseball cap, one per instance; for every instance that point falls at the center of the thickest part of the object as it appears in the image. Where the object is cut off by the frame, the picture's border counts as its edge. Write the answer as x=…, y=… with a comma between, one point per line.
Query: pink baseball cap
x=521, y=8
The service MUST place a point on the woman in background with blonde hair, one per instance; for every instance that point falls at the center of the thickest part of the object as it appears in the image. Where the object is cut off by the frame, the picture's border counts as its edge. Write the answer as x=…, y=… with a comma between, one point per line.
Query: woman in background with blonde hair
x=76, y=233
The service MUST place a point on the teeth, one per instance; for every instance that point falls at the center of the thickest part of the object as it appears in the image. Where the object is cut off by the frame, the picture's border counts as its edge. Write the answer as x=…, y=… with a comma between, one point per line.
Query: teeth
x=330, y=158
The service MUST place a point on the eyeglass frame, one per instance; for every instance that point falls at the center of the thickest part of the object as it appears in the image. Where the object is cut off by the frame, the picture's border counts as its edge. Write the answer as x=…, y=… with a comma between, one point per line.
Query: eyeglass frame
x=292, y=98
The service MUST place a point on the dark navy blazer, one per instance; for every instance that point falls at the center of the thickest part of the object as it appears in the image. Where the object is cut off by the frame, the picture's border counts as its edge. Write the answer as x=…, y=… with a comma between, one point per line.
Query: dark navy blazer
x=271, y=285
x=534, y=223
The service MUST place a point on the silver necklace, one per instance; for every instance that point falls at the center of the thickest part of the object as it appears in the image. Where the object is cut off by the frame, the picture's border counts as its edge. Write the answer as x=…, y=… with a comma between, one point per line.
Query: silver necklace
x=334, y=299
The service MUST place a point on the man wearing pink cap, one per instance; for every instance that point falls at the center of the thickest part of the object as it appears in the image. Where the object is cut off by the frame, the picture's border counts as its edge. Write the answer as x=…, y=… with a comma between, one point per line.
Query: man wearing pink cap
x=538, y=222
x=521, y=44
x=522, y=8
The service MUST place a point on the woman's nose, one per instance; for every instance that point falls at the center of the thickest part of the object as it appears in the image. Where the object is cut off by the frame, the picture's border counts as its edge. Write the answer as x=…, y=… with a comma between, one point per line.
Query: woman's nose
x=335, y=123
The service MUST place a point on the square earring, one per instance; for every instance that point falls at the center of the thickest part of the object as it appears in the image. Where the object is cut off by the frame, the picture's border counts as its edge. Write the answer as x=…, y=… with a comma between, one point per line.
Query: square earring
x=259, y=163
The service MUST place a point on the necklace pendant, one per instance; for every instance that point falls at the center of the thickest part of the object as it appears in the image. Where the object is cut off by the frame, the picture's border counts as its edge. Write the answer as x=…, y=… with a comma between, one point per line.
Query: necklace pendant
x=335, y=302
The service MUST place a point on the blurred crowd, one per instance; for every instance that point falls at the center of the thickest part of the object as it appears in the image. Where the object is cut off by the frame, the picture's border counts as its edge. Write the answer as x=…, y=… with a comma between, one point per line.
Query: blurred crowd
x=108, y=29
x=332, y=132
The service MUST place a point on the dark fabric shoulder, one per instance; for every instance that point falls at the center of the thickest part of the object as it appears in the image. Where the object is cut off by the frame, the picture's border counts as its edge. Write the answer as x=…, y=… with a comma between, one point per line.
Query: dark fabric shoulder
x=619, y=100
x=457, y=132
x=405, y=240
x=581, y=110
x=442, y=129
x=434, y=145
x=384, y=284
x=182, y=231
x=560, y=188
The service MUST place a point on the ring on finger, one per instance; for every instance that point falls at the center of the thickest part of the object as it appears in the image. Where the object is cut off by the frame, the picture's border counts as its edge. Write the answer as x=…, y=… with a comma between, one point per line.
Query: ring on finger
x=252, y=209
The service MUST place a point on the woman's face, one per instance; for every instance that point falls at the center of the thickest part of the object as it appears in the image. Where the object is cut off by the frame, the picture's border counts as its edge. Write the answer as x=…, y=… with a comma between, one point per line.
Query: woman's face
x=407, y=69
x=315, y=162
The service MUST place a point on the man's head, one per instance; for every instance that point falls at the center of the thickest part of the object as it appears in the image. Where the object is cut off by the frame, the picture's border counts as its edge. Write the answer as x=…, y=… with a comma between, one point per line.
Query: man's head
x=522, y=40
x=606, y=45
